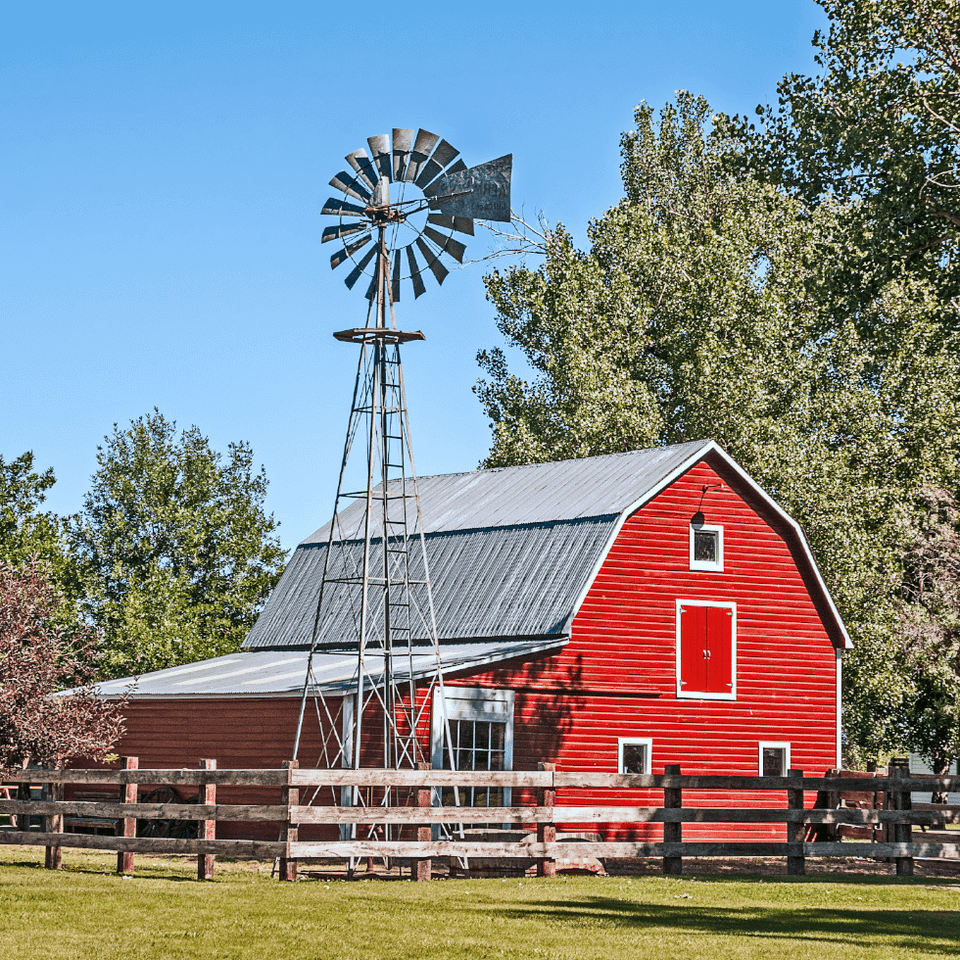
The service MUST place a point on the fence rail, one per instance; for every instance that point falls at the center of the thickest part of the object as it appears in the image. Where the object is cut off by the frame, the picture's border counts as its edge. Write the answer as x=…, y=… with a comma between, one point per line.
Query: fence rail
x=893, y=817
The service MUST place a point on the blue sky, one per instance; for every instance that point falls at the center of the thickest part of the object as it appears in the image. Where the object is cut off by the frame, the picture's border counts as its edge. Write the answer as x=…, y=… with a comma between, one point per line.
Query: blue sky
x=163, y=165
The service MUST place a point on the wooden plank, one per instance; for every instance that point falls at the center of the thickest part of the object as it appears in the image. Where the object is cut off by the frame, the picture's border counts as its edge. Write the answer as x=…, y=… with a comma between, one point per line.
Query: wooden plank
x=601, y=814
x=244, y=849
x=151, y=811
x=616, y=850
x=532, y=779
x=414, y=778
x=239, y=778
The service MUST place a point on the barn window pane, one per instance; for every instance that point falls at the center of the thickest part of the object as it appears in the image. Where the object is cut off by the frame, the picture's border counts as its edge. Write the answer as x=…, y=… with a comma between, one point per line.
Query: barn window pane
x=480, y=746
x=705, y=546
x=634, y=757
x=774, y=761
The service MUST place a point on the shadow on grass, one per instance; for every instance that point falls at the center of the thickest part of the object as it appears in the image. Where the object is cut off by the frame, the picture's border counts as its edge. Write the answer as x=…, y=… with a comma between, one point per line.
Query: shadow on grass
x=931, y=932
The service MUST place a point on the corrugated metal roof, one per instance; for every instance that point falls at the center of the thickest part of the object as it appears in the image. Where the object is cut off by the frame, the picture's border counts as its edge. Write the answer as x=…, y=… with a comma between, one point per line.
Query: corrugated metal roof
x=510, y=550
x=263, y=673
x=536, y=493
x=509, y=582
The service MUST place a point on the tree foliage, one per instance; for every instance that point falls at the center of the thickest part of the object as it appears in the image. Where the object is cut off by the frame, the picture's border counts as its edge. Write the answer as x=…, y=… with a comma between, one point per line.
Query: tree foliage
x=26, y=531
x=40, y=656
x=177, y=552
x=878, y=130
x=929, y=623
x=700, y=310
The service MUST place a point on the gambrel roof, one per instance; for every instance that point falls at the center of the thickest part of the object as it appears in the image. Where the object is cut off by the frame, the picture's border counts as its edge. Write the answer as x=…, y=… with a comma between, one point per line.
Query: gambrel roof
x=512, y=551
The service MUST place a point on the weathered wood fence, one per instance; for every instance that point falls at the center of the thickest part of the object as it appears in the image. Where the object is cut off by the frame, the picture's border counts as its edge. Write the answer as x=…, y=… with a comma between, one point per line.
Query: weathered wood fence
x=810, y=831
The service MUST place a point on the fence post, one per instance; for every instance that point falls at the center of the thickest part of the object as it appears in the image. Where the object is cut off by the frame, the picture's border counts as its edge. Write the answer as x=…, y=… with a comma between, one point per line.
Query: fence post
x=547, y=832
x=423, y=866
x=23, y=795
x=207, y=828
x=672, y=832
x=902, y=831
x=53, y=857
x=796, y=829
x=128, y=825
x=289, y=797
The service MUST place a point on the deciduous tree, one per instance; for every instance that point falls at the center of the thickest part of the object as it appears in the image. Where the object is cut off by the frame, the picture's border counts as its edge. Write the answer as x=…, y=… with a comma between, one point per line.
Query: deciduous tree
x=699, y=310
x=177, y=552
x=39, y=656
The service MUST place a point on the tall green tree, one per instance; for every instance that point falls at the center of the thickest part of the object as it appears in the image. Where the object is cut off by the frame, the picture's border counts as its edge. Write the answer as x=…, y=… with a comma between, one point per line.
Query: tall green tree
x=700, y=310
x=877, y=129
x=177, y=552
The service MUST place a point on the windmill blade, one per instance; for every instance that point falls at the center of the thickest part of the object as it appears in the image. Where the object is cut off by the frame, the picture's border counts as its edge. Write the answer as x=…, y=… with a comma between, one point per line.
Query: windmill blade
x=365, y=169
x=372, y=289
x=340, y=208
x=484, y=189
x=455, y=248
x=422, y=147
x=395, y=277
x=348, y=251
x=340, y=230
x=433, y=261
x=354, y=274
x=380, y=149
x=441, y=157
x=418, y=288
x=350, y=186
x=402, y=143
x=460, y=224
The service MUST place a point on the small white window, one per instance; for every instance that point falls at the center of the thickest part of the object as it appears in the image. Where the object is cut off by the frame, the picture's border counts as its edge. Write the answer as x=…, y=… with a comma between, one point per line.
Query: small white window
x=706, y=547
x=634, y=754
x=773, y=759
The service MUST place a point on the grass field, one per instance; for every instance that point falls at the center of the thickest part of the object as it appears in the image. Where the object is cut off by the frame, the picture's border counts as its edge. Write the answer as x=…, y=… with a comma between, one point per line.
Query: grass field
x=85, y=911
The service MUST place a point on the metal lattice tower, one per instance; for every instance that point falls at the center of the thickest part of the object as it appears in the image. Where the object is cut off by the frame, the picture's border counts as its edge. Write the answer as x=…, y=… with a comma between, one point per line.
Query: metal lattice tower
x=375, y=601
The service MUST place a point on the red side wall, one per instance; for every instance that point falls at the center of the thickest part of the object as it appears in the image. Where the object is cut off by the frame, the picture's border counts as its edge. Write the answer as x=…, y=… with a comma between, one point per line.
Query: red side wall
x=617, y=676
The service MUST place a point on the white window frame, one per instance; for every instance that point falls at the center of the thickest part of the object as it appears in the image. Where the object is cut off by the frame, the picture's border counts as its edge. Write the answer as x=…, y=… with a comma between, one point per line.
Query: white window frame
x=715, y=565
x=693, y=695
x=472, y=703
x=777, y=745
x=646, y=741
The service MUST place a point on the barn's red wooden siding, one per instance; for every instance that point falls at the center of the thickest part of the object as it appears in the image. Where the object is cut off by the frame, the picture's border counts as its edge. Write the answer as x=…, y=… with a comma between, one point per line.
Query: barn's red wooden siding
x=617, y=675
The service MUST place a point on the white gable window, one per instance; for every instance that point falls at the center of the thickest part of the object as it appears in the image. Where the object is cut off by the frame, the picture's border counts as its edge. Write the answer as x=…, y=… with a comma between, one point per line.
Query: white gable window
x=706, y=547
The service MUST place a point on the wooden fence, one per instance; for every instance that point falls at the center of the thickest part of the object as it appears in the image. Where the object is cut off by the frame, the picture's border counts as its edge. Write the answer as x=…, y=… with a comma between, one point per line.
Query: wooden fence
x=810, y=830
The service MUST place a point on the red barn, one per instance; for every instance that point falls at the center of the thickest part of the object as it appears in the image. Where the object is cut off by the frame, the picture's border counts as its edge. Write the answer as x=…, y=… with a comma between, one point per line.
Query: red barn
x=614, y=613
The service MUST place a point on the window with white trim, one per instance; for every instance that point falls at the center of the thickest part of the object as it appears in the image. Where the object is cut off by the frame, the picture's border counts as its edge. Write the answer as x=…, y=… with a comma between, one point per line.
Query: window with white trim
x=706, y=546
x=634, y=754
x=480, y=726
x=773, y=758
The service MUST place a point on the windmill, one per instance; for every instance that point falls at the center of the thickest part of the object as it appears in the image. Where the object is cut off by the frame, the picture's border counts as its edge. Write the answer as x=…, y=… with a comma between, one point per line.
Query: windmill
x=404, y=203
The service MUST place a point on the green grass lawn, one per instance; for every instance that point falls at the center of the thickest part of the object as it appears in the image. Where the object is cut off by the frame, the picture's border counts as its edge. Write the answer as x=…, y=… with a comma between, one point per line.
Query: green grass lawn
x=85, y=911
